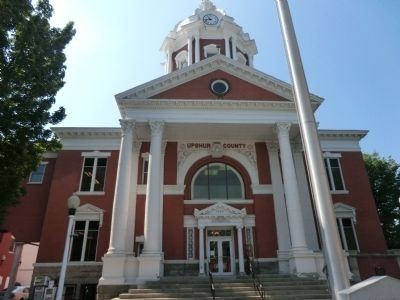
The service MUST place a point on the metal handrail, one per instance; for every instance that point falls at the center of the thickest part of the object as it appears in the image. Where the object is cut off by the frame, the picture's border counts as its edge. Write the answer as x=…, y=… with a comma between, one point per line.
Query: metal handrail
x=211, y=281
x=258, y=286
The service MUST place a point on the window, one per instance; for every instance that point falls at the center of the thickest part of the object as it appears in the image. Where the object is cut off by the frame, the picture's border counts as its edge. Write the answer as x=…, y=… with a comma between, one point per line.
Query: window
x=145, y=168
x=190, y=243
x=217, y=181
x=241, y=58
x=211, y=50
x=181, y=59
x=11, y=246
x=345, y=219
x=334, y=172
x=93, y=174
x=84, y=241
x=36, y=176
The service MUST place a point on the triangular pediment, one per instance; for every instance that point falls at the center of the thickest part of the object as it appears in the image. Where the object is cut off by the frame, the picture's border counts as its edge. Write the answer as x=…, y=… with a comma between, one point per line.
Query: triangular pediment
x=192, y=83
x=220, y=210
x=343, y=210
x=89, y=212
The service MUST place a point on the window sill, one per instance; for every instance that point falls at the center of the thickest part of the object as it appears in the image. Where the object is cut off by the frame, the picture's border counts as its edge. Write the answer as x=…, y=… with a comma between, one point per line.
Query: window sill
x=90, y=193
x=35, y=183
x=239, y=201
x=344, y=192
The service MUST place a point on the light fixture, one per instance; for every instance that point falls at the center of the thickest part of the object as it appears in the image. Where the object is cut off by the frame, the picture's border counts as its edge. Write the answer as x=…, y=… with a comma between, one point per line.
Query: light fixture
x=73, y=204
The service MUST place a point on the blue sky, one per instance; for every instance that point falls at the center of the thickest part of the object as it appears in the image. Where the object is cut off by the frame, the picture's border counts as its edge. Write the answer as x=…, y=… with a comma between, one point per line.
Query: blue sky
x=350, y=52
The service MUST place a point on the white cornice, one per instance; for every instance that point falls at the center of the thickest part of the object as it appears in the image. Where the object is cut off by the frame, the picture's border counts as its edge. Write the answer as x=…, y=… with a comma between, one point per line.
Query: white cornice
x=217, y=62
x=87, y=132
x=156, y=104
x=347, y=134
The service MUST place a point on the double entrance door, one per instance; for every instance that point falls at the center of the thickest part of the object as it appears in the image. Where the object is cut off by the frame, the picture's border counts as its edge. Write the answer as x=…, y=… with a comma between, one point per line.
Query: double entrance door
x=220, y=251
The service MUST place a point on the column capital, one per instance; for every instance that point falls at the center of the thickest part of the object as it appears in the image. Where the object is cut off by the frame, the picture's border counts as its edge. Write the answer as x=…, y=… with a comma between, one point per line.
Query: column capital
x=127, y=125
x=239, y=227
x=272, y=146
x=283, y=128
x=201, y=227
x=157, y=127
x=137, y=145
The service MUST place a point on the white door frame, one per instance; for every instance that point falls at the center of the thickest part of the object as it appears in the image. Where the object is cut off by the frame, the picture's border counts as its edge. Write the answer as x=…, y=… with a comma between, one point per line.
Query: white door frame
x=220, y=240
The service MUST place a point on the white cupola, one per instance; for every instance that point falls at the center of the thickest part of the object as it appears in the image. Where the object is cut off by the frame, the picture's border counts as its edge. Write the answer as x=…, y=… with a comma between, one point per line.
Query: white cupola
x=209, y=31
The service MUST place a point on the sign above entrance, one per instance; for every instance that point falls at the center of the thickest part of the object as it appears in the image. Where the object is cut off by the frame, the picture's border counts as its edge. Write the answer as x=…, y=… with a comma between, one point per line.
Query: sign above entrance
x=217, y=149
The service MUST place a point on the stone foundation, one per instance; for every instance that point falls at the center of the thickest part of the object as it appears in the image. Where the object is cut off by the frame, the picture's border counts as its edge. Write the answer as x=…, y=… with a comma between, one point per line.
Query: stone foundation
x=76, y=276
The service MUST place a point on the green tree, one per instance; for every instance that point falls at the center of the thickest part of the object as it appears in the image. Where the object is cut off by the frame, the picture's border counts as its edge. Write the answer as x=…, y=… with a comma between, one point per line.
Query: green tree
x=31, y=73
x=384, y=176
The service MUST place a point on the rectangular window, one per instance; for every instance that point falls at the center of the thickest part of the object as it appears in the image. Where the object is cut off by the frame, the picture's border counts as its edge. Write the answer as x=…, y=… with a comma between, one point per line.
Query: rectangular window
x=84, y=241
x=37, y=176
x=334, y=172
x=93, y=174
x=190, y=243
x=347, y=233
x=145, y=171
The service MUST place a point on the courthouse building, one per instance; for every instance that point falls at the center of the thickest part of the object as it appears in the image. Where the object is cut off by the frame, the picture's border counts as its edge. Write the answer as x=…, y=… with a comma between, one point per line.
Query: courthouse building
x=206, y=170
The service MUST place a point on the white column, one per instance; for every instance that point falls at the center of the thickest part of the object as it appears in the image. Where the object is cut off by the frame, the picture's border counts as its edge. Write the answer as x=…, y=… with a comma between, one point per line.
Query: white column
x=305, y=200
x=282, y=227
x=197, y=47
x=227, y=47
x=190, y=50
x=234, y=46
x=169, y=61
x=251, y=60
x=295, y=216
x=130, y=233
x=120, y=211
x=240, y=249
x=152, y=234
x=201, y=250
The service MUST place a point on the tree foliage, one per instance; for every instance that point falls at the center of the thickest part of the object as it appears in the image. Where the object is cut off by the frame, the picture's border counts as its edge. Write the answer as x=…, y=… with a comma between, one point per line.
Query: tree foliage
x=31, y=73
x=384, y=176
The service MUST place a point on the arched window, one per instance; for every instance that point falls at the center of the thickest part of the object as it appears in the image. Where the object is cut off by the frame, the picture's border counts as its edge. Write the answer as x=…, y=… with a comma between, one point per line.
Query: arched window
x=217, y=181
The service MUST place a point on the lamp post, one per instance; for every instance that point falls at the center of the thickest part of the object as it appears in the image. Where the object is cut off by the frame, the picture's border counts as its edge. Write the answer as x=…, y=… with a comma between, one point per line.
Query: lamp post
x=73, y=203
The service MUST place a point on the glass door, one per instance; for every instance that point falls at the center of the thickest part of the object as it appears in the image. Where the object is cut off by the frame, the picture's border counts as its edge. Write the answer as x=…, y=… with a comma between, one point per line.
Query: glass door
x=220, y=255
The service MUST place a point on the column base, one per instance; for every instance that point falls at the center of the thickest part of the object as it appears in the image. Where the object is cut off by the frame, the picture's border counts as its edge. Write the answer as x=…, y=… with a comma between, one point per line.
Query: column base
x=119, y=269
x=150, y=268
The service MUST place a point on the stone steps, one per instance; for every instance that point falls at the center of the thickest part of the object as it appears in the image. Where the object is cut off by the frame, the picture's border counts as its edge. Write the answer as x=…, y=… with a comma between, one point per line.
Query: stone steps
x=277, y=287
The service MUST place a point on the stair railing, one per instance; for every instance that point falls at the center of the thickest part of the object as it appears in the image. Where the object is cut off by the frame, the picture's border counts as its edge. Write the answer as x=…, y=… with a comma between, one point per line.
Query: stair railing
x=258, y=286
x=211, y=282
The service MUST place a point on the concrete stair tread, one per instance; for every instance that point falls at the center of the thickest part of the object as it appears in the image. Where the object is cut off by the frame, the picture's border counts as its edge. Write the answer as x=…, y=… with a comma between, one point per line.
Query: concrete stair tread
x=277, y=287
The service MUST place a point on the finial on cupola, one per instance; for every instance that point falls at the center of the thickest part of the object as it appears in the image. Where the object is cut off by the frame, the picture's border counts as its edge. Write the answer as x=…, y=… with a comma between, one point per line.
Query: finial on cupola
x=206, y=5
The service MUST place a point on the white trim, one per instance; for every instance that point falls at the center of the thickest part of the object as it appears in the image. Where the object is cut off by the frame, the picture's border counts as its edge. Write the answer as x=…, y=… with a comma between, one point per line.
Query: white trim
x=90, y=193
x=207, y=201
x=145, y=155
x=89, y=212
x=266, y=259
x=188, y=162
x=50, y=155
x=140, y=239
x=95, y=154
x=70, y=263
x=177, y=189
x=180, y=261
x=262, y=189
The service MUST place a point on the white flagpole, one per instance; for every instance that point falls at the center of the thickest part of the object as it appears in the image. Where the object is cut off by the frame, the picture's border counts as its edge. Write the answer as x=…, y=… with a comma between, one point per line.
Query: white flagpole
x=319, y=183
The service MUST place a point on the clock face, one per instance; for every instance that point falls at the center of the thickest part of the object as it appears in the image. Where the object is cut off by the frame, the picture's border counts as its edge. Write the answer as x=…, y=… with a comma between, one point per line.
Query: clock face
x=210, y=19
